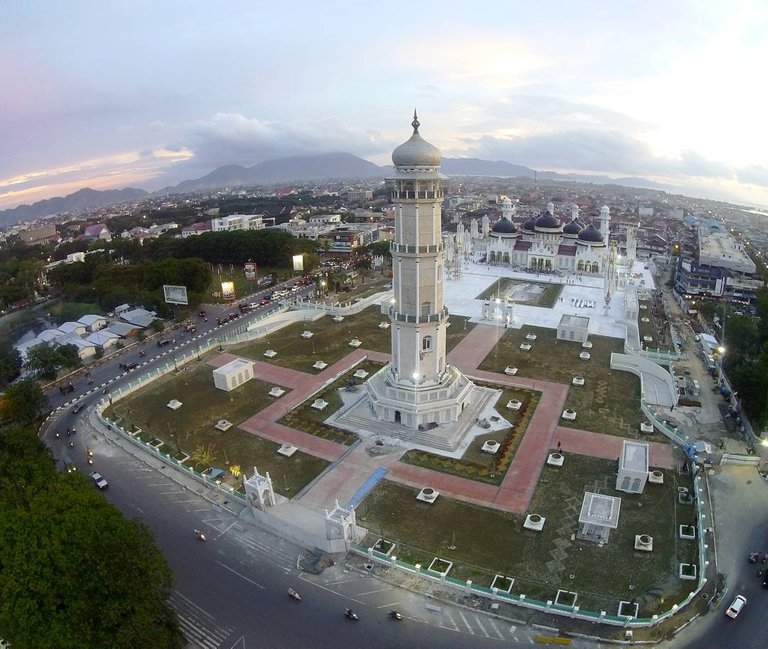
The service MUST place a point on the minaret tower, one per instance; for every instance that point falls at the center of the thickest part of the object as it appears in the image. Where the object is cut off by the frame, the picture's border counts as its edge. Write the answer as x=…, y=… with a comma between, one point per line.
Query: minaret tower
x=605, y=222
x=418, y=387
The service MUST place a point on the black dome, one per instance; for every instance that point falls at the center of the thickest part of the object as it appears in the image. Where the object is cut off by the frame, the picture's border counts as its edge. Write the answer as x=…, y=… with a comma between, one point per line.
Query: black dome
x=547, y=220
x=573, y=228
x=591, y=234
x=529, y=225
x=504, y=226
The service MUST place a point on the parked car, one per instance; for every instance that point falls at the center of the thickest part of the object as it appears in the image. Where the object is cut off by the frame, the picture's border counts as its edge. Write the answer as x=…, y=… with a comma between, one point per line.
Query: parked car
x=99, y=480
x=736, y=605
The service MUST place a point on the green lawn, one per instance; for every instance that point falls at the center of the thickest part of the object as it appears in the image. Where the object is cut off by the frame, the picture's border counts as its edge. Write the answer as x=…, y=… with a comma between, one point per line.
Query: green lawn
x=309, y=420
x=502, y=286
x=655, y=328
x=608, y=402
x=488, y=542
x=330, y=340
x=191, y=426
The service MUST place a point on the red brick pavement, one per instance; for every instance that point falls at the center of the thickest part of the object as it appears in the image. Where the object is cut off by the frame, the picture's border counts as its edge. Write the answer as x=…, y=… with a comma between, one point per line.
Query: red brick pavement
x=608, y=447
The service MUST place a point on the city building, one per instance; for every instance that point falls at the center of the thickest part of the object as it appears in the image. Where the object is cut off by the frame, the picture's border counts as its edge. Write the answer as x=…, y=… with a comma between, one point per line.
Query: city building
x=45, y=234
x=237, y=222
x=718, y=268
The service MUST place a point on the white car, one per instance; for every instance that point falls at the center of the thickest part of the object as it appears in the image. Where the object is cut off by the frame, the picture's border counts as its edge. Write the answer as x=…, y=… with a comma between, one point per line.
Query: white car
x=736, y=605
x=99, y=480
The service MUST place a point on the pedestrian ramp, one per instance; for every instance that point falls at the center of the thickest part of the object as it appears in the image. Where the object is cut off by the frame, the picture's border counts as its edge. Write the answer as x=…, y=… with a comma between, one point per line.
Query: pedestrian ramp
x=366, y=488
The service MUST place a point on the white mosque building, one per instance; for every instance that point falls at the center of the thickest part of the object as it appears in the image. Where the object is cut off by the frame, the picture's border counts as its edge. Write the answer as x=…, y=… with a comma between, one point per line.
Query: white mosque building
x=545, y=243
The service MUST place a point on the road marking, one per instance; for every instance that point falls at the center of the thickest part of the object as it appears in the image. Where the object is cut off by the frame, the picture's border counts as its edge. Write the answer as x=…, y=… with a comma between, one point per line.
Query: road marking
x=239, y=574
x=455, y=626
x=482, y=628
x=495, y=628
x=393, y=605
x=139, y=509
x=461, y=615
x=330, y=590
x=371, y=592
x=229, y=527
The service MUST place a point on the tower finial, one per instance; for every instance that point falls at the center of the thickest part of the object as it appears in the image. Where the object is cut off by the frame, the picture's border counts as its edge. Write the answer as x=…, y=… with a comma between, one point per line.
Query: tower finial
x=415, y=122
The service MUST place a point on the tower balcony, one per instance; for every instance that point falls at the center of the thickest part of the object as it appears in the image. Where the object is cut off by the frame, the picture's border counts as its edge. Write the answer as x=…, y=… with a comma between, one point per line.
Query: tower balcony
x=413, y=195
x=404, y=249
x=418, y=319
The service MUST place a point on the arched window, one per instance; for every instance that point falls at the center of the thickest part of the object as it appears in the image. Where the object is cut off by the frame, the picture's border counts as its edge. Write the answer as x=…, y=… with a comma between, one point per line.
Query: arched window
x=426, y=343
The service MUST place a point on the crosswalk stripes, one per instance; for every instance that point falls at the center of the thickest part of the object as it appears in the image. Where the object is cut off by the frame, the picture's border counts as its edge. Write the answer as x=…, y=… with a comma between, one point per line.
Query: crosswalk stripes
x=196, y=624
x=275, y=552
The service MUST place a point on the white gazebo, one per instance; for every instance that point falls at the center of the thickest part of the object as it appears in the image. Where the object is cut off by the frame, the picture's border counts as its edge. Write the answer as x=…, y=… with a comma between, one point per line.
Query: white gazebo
x=233, y=374
x=573, y=327
x=599, y=515
x=633, y=467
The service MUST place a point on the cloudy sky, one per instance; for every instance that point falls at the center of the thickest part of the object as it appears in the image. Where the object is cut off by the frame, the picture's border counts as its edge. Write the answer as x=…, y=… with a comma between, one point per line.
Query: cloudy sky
x=146, y=93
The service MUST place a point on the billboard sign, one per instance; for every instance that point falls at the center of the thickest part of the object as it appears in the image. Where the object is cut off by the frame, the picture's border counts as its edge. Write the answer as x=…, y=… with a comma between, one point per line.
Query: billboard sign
x=228, y=290
x=298, y=263
x=175, y=294
x=250, y=271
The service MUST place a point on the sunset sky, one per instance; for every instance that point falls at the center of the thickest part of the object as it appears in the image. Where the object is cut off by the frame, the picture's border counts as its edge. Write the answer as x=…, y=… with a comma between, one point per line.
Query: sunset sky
x=148, y=93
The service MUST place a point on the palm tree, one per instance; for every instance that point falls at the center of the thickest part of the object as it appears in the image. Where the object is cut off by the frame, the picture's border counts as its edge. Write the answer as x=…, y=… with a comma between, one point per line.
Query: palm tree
x=204, y=455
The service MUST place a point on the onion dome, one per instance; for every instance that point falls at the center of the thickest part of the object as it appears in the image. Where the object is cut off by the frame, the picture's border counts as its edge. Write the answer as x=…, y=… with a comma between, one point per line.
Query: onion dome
x=504, y=226
x=548, y=221
x=572, y=228
x=416, y=152
x=591, y=234
x=530, y=226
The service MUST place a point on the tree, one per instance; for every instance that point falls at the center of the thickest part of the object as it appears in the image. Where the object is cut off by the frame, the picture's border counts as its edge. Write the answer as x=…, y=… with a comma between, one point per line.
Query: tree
x=75, y=573
x=43, y=360
x=204, y=455
x=23, y=402
x=10, y=363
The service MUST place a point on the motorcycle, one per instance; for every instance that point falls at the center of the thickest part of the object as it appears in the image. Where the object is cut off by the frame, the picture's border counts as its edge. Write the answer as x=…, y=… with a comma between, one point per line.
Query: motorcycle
x=90, y=460
x=200, y=536
x=395, y=615
x=351, y=614
x=57, y=434
x=754, y=557
x=142, y=354
x=294, y=595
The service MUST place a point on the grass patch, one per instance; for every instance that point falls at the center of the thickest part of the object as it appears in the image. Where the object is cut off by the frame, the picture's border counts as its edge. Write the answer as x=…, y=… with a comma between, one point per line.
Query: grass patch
x=475, y=464
x=330, y=342
x=489, y=542
x=191, y=426
x=506, y=288
x=311, y=421
x=608, y=402
x=656, y=328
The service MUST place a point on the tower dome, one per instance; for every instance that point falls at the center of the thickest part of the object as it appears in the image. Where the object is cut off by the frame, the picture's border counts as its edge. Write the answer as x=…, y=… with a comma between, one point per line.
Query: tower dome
x=590, y=234
x=416, y=152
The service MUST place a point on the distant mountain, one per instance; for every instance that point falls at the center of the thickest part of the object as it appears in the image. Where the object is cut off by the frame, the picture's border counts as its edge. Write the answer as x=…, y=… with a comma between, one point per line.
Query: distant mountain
x=317, y=167
x=477, y=167
x=82, y=199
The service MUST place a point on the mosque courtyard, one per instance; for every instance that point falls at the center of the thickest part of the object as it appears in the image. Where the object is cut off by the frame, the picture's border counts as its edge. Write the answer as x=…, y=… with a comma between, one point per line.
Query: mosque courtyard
x=606, y=407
